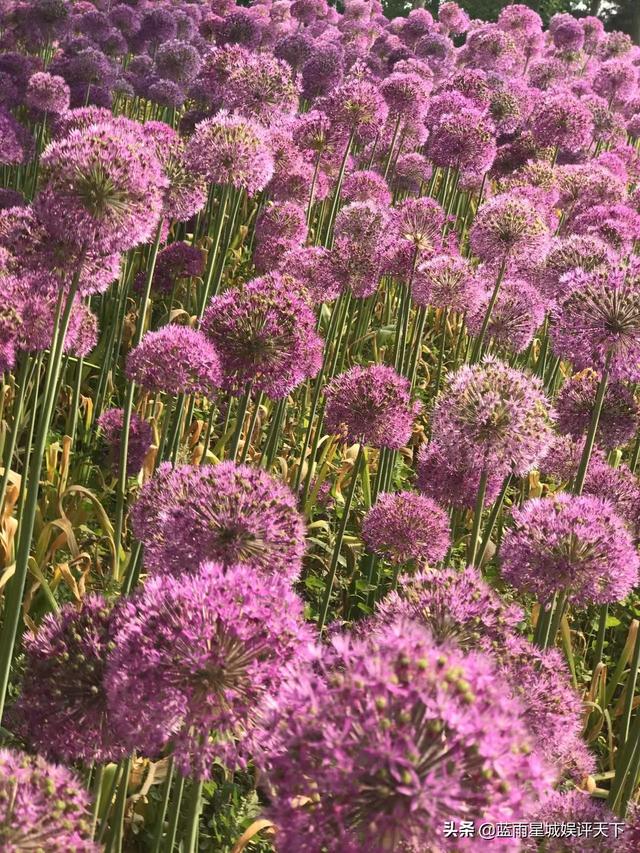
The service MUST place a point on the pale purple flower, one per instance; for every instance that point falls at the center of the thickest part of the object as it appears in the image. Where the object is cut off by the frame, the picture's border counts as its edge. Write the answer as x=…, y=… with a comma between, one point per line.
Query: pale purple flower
x=405, y=526
x=453, y=480
x=508, y=226
x=357, y=252
x=357, y=108
x=175, y=262
x=279, y=227
x=447, y=281
x=577, y=807
x=562, y=121
x=463, y=140
x=47, y=93
x=178, y=61
x=312, y=268
x=567, y=32
x=518, y=311
x=365, y=185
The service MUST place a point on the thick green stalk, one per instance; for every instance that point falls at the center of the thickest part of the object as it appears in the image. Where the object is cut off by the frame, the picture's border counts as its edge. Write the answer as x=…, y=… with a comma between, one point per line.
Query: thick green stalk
x=241, y=414
x=166, y=793
x=193, y=818
x=174, y=815
x=477, y=349
x=472, y=551
x=578, y=483
x=630, y=688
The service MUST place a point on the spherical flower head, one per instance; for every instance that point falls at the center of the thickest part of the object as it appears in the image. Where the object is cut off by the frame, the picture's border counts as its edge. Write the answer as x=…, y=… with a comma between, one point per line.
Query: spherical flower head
x=357, y=107
x=44, y=804
x=406, y=94
x=453, y=481
x=311, y=267
x=577, y=807
x=140, y=439
x=565, y=254
x=617, y=224
x=176, y=261
x=598, y=324
x=561, y=121
x=178, y=61
x=14, y=146
x=62, y=709
x=101, y=187
x=453, y=18
x=415, y=232
x=417, y=734
x=411, y=172
x=227, y=513
x=594, y=33
x=616, y=80
x=518, y=311
x=577, y=545
x=520, y=21
x=261, y=87
x=491, y=49
x=463, y=140
x=566, y=32
x=357, y=252
x=48, y=93
x=619, y=418
x=365, y=185
x=186, y=192
x=322, y=71
x=80, y=119
x=200, y=652
x=175, y=360
x=508, y=226
x=447, y=281
x=371, y=405
x=405, y=526
x=166, y=93
x=294, y=48
x=265, y=335
x=231, y=150
x=240, y=27
x=279, y=227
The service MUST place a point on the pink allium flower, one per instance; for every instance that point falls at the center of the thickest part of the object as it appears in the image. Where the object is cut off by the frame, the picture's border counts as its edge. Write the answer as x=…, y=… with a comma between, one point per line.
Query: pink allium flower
x=417, y=734
x=464, y=140
x=357, y=107
x=322, y=71
x=200, y=653
x=518, y=311
x=599, y=322
x=447, y=281
x=577, y=545
x=494, y=415
x=404, y=526
x=453, y=18
x=265, y=335
x=616, y=80
x=371, y=405
x=280, y=226
x=366, y=185
x=62, y=709
x=561, y=121
x=186, y=193
x=521, y=22
x=491, y=49
x=140, y=439
x=453, y=481
x=617, y=224
x=80, y=119
x=44, y=804
x=47, y=93
x=565, y=254
x=178, y=61
x=232, y=150
x=226, y=513
x=240, y=27
x=576, y=807
x=594, y=32
x=13, y=140
x=101, y=187
x=176, y=261
x=566, y=32
x=415, y=232
x=406, y=94
x=262, y=88
x=508, y=226
x=411, y=172
x=357, y=252
x=175, y=360
x=312, y=268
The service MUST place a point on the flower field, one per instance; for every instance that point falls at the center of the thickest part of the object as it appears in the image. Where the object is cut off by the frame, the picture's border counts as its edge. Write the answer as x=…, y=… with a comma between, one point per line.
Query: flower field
x=319, y=429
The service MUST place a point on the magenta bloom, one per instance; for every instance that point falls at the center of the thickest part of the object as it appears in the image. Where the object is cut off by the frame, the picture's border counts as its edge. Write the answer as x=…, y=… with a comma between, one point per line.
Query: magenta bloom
x=357, y=107
x=365, y=186
x=175, y=360
x=495, y=417
x=356, y=252
x=229, y=149
x=279, y=227
x=13, y=140
x=405, y=526
x=62, y=710
x=42, y=804
x=566, y=32
x=575, y=807
x=200, y=653
x=371, y=405
x=566, y=254
x=453, y=480
x=265, y=335
x=175, y=262
x=140, y=439
x=226, y=513
x=312, y=268
x=417, y=735
x=577, y=545
x=101, y=187
x=186, y=193
x=562, y=121
x=447, y=281
x=465, y=140
x=508, y=226
x=518, y=311
x=48, y=93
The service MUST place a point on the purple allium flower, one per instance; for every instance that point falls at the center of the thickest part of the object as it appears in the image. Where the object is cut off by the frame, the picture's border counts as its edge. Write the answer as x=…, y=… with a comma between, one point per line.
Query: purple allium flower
x=158, y=25
x=599, y=322
x=566, y=32
x=42, y=804
x=261, y=87
x=125, y=18
x=404, y=526
x=561, y=121
x=233, y=150
x=453, y=481
x=518, y=311
x=371, y=405
x=280, y=226
x=101, y=187
x=447, y=281
x=47, y=93
x=265, y=335
x=584, y=185
x=617, y=224
x=620, y=416
x=80, y=119
x=521, y=22
x=406, y=95
x=411, y=172
x=357, y=253
x=494, y=416
x=576, y=807
x=175, y=360
x=366, y=185
x=226, y=513
x=322, y=71
x=608, y=126
x=13, y=142
x=200, y=652
x=178, y=61
x=357, y=107
x=294, y=48
x=307, y=11
x=312, y=268
x=508, y=226
x=415, y=232
x=166, y=93
x=463, y=140
x=11, y=198
x=615, y=44
x=437, y=50
x=578, y=545
x=616, y=80
x=140, y=439
x=177, y=260
x=491, y=49
x=62, y=708
x=453, y=18
x=416, y=733
x=594, y=32
x=565, y=254
x=240, y=27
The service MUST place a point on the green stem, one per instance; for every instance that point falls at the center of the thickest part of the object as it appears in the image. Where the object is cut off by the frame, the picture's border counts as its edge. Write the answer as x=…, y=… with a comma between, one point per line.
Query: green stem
x=193, y=818
x=241, y=413
x=472, y=550
x=581, y=476
x=166, y=793
x=477, y=349
x=174, y=815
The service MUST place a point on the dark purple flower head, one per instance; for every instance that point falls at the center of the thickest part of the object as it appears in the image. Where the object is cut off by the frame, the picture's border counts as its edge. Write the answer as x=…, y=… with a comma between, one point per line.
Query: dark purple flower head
x=175, y=360
x=371, y=405
x=453, y=481
x=200, y=653
x=417, y=735
x=62, y=708
x=232, y=150
x=279, y=227
x=11, y=198
x=178, y=61
x=322, y=71
x=47, y=93
x=158, y=25
x=598, y=323
x=241, y=26
x=567, y=32
x=227, y=513
x=577, y=545
x=620, y=414
x=126, y=19
x=494, y=416
x=140, y=438
x=294, y=48
x=101, y=188
x=307, y=11
x=447, y=281
x=404, y=526
x=166, y=93
x=366, y=185
x=508, y=226
x=265, y=335
x=616, y=80
x=311, y=267
x=575, y=807
x=574, y=252
x=15, y=147
x=411, y=172
x=44, y=804
x=464, y=140
x=176, y=261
